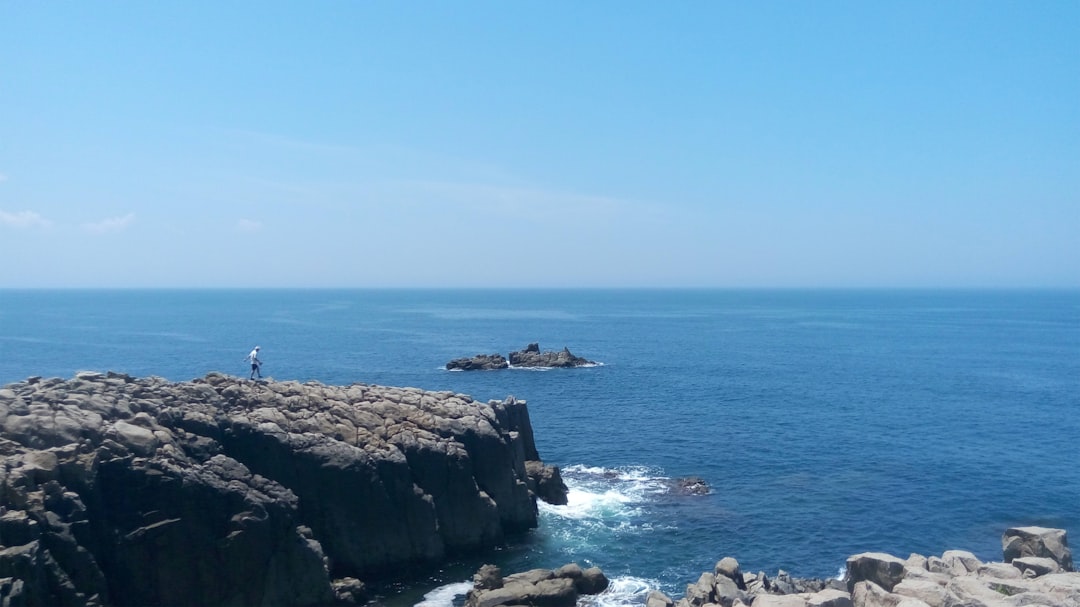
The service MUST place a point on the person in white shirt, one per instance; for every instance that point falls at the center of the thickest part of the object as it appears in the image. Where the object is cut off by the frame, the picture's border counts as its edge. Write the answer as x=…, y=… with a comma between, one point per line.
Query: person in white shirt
x=256, y=364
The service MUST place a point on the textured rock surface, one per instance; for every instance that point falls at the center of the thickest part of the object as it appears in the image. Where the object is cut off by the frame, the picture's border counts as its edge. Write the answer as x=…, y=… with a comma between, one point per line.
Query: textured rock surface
x=117, y=490
x=955, y=579
x=531, y=356
x=1037, y=542
x=480, y=362
x=547, y=483
x=538, y=587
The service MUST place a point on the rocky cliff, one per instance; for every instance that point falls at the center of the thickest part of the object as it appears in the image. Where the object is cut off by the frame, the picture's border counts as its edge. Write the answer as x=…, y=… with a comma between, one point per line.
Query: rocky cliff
x=117, y=490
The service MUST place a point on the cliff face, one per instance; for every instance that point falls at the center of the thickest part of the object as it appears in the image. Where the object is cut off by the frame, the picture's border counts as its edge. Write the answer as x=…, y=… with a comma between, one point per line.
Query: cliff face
x=123, y=491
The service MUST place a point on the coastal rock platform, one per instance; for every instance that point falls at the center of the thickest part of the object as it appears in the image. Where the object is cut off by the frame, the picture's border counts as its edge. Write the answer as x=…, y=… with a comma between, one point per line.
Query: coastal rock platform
x=116, y=490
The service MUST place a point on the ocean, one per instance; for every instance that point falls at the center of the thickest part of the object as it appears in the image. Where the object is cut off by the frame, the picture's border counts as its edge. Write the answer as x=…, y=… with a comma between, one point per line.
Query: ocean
x=825, y=422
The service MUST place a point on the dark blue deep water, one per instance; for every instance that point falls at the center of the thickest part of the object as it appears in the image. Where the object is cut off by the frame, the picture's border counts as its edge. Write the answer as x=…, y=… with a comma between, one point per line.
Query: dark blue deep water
x=826, y=422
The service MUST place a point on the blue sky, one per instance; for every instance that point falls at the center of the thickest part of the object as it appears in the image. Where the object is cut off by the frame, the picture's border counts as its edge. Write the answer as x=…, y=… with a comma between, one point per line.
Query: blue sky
x=555, y=144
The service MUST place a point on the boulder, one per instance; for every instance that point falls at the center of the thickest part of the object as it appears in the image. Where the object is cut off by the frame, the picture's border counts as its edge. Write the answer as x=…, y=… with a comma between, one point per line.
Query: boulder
x=1035, y=565
x=536, y=587
x=593, y=581
x=882, y=569
x=970, y=590
x=961, y=561
x=931, y=592
x=350, y=591
x=546, y=482
x=726, y=591
x=868, y=594
x=729, y=568
x=488, y=577
x=829, y=598
x=701, y=592
x=658, y=599
x=1037, y=541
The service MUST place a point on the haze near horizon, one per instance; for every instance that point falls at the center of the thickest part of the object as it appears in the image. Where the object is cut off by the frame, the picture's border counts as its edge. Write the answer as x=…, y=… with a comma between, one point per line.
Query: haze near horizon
x=480, y=144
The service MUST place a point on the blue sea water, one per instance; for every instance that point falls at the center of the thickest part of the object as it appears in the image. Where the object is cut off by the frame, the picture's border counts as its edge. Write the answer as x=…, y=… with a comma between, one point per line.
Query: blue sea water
x=826, y=422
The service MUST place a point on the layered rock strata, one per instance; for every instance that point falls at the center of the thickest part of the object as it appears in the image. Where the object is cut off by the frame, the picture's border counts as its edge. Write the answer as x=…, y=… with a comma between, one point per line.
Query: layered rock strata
x=117, y=490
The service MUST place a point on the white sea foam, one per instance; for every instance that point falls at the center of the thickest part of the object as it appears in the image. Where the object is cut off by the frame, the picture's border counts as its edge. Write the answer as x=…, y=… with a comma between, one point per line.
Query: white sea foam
x=621, y=591
x=444, y=596
x=605, y=495
x=583, y=504
x=585, y=366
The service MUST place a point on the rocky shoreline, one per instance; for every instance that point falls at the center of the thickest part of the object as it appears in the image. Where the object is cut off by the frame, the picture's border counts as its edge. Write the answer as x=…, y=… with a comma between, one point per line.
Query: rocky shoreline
x=1036, y=571
x=117, y=490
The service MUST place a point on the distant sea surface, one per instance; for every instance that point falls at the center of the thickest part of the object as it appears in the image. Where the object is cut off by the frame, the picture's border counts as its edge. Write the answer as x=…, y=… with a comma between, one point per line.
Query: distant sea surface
x=826, y=423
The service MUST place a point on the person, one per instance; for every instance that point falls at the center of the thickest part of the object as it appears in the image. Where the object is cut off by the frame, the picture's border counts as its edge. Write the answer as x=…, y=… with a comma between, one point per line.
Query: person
x=256, y=364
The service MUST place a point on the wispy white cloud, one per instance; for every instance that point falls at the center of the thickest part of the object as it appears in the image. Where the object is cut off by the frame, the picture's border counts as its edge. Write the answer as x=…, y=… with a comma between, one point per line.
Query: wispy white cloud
x=249, y=225
x=3, y=178
x=523, y=203
x=112, y=224
x=23, y=219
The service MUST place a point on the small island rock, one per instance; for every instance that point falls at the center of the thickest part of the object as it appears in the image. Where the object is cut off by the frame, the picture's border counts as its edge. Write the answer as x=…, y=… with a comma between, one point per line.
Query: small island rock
x=531, y=356
x=480, y=362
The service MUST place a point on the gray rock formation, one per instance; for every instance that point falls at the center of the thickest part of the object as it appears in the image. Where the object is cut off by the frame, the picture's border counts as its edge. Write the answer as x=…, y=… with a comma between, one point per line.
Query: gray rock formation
x=531, y=356
x=1037, y=542
x=1034, y=575
x=480, y=362
x=689, y=485
x=538, y=587
x=546, y=482
x=123, y=491
x=882, y=569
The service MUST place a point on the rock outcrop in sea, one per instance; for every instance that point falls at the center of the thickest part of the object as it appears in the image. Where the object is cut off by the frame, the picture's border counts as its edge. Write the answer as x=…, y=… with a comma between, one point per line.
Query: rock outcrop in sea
x=530, y=357
x=480, y=362
x=117, y=490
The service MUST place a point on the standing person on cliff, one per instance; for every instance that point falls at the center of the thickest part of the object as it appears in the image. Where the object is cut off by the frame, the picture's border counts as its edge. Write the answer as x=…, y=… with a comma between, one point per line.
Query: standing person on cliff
x=256, y=364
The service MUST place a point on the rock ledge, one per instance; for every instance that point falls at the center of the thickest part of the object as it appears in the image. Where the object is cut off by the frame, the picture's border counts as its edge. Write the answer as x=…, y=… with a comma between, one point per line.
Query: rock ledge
x=124, y=490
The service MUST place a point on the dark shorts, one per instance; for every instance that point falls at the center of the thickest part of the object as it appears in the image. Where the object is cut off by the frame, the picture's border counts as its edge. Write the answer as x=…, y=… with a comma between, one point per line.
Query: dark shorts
x=254, y=366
